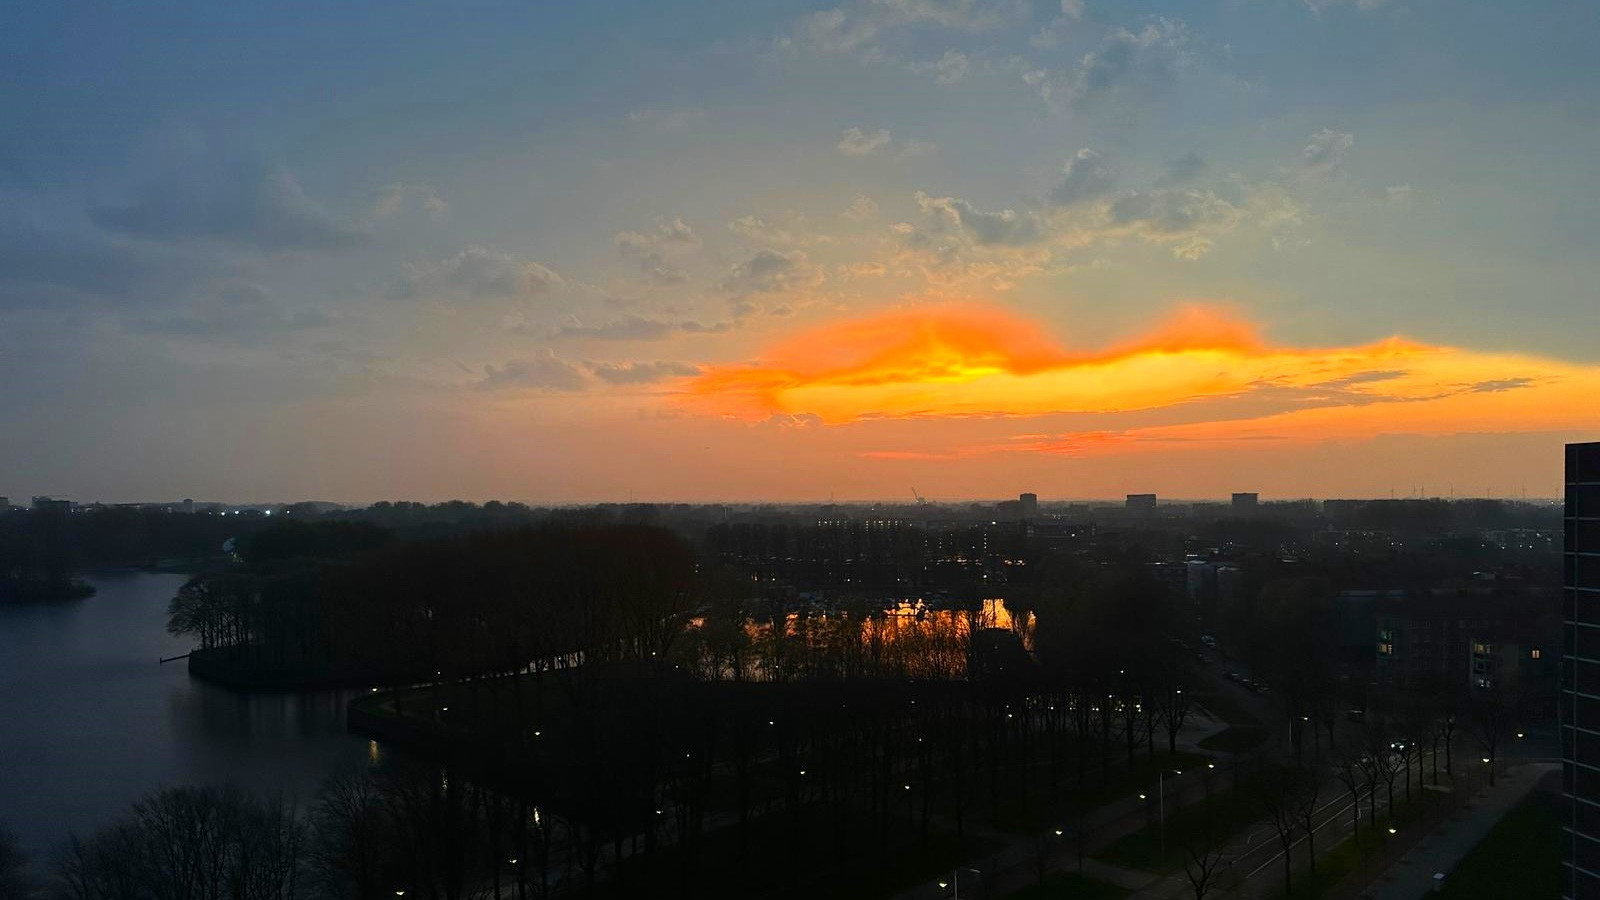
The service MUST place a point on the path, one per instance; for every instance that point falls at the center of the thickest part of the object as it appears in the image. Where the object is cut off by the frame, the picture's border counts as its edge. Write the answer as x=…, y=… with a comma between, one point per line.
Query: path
x=1411, y=876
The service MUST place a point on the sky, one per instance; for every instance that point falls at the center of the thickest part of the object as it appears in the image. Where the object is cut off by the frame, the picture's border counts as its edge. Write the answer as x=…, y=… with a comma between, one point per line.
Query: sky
x=787, y=251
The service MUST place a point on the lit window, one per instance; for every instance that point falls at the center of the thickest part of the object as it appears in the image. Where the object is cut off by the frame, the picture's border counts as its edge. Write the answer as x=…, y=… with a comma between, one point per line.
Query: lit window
x=1535, y=654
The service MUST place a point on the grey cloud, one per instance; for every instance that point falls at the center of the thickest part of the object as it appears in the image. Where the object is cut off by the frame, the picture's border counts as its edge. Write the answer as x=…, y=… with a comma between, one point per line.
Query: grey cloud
x=947, y=69
x=759, y=229
x=1500, y=384
x=1006, y=226
x=1185, y=218
x=656, y=246
x=667, y=234
x=856, y=27
x=1137, y=62
x=641, y=372
x=1325, y=150
x=861, y=209
x=657, y=270
x=480, y=273
x=393, y=199
x=855, y=142
x=796, y=420
x=771, y=270
x=1127, y=66
x=547, y=372
x=1363, y=378
x=640, y=328
x=1086, y=176
x=239, y=204
x=1174, y=211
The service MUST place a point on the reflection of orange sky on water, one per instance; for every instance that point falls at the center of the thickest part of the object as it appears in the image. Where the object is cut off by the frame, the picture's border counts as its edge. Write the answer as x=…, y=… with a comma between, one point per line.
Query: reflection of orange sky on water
x=917, y=641
x=971, y=361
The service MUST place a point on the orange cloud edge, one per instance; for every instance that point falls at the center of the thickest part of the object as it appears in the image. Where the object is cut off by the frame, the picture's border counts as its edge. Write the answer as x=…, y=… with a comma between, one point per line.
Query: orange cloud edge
x=968, y=360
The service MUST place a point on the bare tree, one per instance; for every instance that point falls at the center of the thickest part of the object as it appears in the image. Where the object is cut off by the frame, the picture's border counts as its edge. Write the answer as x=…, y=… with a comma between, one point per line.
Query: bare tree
x=1205, y=870
x=190, y=844
x=1276, y=793
x=1492, y=713
x=351, y=851
x=1174, y=704
x=14, y=882
x=1303, y=804
x=1348, y=769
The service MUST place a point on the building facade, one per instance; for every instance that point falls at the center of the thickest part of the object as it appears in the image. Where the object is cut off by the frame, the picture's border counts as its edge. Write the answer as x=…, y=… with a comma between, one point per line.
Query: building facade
x=1580, y=700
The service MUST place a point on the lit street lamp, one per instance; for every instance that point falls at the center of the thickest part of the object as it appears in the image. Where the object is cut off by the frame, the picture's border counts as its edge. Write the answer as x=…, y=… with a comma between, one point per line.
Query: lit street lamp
x=1161, y=807
x=955, y=882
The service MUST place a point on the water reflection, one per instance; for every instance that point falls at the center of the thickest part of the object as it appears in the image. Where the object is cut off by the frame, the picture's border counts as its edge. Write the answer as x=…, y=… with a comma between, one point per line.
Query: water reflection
x=92, y=720
x=905, y=638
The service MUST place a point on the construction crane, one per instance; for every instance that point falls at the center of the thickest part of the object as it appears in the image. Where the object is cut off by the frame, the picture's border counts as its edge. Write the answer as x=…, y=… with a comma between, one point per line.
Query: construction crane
x=921, y=500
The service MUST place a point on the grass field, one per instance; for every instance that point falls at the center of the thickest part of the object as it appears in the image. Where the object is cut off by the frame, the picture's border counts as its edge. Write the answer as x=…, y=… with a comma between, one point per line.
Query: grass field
x=1199, y=825
x=1069, y=886
x=1519, y=857
x=1234, y=739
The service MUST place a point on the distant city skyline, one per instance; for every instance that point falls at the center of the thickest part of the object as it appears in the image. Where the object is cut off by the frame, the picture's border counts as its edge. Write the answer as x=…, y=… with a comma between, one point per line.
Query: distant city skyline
x=722, y=251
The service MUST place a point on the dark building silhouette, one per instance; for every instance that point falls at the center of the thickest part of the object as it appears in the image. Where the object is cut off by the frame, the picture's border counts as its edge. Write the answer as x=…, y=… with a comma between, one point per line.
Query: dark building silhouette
x=1141, y=501
x=1030, y=506
x=1245, y=502
x=1580, y=700
x=1471, y=635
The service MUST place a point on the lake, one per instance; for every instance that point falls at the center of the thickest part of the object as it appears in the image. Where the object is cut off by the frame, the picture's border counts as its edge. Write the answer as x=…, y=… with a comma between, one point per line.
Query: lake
x=89, y=721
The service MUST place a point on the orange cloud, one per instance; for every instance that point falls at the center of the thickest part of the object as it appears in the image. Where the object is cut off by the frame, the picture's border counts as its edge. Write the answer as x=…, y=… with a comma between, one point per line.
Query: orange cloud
x=1230, y=383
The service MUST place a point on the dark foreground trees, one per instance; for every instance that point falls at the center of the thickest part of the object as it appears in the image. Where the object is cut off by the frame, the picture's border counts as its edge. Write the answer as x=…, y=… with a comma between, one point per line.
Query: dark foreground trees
x=190, y=844
x=346, y=602
x=412, y=832
x=14, y=883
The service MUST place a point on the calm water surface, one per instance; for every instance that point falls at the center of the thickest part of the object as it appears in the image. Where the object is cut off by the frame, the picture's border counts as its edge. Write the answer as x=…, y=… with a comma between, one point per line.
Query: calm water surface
x=89, y=721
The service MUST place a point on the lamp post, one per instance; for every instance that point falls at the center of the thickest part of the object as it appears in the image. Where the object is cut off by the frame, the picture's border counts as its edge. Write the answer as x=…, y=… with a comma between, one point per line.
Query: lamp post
x=1161, y=808
x=955, y=882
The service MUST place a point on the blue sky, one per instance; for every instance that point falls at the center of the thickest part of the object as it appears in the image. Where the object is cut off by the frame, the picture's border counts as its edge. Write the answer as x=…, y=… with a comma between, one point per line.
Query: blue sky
x=373, y=250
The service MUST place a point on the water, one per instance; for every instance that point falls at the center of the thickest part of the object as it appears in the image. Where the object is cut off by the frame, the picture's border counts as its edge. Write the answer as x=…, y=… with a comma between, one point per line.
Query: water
x=89, y=721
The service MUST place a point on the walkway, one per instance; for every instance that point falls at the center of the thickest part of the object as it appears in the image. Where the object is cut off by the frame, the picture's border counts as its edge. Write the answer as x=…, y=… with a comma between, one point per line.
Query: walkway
x=1411, y=877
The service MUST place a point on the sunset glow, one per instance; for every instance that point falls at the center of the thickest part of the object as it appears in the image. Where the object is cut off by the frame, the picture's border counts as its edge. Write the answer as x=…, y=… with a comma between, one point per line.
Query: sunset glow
x=1213, y=367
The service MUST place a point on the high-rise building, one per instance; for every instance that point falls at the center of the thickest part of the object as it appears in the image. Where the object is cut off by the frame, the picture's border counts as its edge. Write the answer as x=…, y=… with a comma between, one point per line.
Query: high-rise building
x=1141, y=501
x=1245, y=501
x=1030, y=506
x=1580, y=682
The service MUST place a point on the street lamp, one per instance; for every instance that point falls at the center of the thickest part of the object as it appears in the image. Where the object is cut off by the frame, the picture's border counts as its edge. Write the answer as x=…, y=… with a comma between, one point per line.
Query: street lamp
x=1161, y=807
x=955, y=882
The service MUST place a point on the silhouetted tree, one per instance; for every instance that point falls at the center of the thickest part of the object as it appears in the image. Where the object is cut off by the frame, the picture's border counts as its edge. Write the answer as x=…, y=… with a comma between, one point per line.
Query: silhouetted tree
x=14, y=881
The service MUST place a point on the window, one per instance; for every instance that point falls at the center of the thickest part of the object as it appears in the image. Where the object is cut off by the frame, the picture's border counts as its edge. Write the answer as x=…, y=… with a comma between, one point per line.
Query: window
x=1385, y=649
x=1535, y=654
